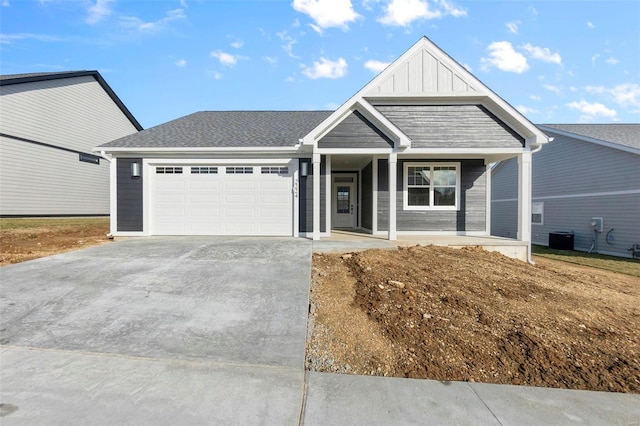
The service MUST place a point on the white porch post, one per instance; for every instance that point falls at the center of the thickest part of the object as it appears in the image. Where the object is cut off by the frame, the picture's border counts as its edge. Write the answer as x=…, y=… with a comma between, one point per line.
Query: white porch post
x=113, y=192
x=316, y=197
x=524, y=196
x=328, y=196
x=393, y=163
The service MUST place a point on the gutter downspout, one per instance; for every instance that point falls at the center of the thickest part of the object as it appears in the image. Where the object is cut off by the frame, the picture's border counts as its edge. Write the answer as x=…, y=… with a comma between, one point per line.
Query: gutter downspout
x=529, y=254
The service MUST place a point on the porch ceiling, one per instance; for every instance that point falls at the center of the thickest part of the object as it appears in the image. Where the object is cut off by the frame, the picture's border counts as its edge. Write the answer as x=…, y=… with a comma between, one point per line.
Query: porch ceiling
x=349, y=162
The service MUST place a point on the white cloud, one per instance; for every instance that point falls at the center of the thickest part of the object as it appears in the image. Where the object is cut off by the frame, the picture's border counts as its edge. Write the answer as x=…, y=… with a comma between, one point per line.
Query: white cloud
x=542, y=53
x=98, y=11
x=467, y=67
x=289, y=42
x=401, y=13
x=9, y=38
x=214, y=74
x=535, y=98
x=592, y=110
x=452, y=9
x=327, y=13
x=271, y=59
x=552, y=88
x=376, y=66
x=181, y=63
x=140, y=25
x=526, y=110
x=627, y=94
x=594, y=58
x=237, y=44
x=590, y=24
x=226, y=59
x=513, y=26
x=5, y=3
x=613, y=61
x=505, y=58
x=326, y=69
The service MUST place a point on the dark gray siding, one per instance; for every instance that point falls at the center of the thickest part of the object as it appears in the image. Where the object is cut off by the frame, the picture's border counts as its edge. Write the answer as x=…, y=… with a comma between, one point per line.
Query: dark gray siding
x=367, y=196
x=451, y=126
x=470, y=217
x=355, y=131
x=306, y=199
x=129, y=196
x=567, y=175
x=383, y=195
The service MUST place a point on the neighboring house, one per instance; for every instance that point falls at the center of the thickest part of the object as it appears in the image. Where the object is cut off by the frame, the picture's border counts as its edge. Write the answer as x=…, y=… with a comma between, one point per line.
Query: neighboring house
x=410, y=153
x=589, y=172
x=49, y=124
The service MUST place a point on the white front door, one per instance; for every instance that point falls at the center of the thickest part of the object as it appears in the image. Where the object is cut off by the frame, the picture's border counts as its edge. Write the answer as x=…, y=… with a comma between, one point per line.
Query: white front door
x=344, y=201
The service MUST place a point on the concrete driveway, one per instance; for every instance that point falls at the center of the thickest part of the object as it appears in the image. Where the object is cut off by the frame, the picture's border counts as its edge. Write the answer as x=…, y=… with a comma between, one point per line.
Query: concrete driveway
x=157, y=330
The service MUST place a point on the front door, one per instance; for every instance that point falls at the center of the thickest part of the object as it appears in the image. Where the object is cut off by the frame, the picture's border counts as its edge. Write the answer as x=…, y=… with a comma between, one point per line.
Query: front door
x=344, y=202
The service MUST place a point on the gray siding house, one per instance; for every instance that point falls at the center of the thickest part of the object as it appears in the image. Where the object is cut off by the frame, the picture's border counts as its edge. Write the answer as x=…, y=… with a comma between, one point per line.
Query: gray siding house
x=587, y=181
x=49, y=124
x=409, y=154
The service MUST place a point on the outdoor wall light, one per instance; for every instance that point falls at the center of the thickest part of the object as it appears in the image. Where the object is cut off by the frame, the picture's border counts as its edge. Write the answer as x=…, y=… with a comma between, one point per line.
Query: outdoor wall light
x=135, y=170
x=304, y=169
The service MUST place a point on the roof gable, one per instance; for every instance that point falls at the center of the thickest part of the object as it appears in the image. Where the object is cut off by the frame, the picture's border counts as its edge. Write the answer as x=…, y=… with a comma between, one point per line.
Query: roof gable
x=619, y=135
x=426, y=74
x=425, y=71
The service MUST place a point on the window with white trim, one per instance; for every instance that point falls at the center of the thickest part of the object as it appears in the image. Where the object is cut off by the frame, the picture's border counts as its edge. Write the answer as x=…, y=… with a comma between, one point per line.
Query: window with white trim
x=537, y=213
x=431, y=186
x=204, y=170
x=238, y=170
x=274, y=170
x=168, y=170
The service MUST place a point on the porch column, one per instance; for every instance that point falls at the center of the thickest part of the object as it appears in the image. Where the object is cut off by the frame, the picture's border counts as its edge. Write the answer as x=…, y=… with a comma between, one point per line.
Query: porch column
x=524, y=196
x=393, y=176
x=316, y=197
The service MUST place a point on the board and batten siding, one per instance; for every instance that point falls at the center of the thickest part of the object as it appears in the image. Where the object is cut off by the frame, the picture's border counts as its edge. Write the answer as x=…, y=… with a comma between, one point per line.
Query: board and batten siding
x=355, y=131
x=576, y=180
x=130, y=192
x=470, y=217
x=73, y=113
x=305, y=200
x=451, y=126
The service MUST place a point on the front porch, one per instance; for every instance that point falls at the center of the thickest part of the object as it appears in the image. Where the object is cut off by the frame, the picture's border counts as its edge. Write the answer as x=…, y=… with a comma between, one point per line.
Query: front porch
x=347, y=241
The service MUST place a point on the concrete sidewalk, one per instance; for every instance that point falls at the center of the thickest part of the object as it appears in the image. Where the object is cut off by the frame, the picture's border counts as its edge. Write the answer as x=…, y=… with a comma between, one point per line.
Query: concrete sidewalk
x=184, y=331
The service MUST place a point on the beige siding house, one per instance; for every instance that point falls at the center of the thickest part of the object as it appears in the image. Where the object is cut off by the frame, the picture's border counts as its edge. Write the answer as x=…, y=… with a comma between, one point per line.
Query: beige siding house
x=49, y=123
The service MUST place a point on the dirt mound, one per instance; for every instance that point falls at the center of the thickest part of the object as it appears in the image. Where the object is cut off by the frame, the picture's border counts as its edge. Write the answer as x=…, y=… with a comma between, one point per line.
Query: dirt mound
x=470, y=315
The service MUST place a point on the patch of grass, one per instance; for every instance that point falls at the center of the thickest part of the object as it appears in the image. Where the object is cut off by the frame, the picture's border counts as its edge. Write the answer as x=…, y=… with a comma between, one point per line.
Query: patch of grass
x=610, y=263
x=12, y=224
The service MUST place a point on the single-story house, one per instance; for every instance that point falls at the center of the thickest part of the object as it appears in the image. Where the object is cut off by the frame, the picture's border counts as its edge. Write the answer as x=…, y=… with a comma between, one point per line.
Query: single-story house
x=585, y=184
x=409, y=153
x=49, y=125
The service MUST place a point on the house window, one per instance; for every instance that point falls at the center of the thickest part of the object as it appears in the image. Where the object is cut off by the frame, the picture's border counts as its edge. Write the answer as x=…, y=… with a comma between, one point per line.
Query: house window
x=274, y=170
x=239, y=170
x=537, y=213
x=204, y=170
x=88, y=158
x=431, y=186
x=168, y=170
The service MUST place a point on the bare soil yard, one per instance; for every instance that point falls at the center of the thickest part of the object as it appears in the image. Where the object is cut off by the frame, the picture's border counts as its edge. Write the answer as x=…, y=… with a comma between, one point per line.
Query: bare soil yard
x=471, y=315
x=26, y=239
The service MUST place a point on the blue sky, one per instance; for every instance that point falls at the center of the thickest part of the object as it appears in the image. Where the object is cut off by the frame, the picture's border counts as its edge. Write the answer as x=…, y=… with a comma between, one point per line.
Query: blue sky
x=556, y=61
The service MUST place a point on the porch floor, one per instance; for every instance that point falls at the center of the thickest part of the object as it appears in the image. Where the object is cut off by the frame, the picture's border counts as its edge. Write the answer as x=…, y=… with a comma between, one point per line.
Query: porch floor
x=343, y=241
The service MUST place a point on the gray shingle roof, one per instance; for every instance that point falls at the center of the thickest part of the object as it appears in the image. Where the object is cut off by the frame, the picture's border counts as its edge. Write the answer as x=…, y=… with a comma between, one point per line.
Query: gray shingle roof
x=622, y=134
x=227, y=129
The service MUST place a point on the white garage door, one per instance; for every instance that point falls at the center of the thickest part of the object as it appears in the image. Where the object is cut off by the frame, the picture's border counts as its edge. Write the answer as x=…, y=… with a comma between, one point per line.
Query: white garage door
x=221, y=200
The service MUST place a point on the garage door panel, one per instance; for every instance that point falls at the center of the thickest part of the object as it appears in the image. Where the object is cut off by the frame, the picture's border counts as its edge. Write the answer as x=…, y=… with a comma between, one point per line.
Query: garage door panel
x=221, y=204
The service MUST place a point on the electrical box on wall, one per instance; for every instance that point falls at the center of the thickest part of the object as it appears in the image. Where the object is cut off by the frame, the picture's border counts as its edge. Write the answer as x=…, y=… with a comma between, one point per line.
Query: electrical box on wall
x=597, y=224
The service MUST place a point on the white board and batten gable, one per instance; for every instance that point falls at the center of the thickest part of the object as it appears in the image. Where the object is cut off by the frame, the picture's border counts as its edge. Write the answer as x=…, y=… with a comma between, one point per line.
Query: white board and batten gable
x=425, y=75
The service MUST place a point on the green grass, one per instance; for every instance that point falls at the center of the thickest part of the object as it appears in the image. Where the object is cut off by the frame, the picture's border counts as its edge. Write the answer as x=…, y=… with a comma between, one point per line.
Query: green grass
x=11, y=224
x=610, y=263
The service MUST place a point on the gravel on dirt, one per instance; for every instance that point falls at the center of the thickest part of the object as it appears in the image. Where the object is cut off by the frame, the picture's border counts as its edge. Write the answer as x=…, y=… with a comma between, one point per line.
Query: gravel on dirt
x=472, y=315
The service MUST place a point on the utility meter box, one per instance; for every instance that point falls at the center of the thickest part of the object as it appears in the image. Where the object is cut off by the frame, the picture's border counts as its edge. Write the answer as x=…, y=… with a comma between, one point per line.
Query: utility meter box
x=597, y=224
